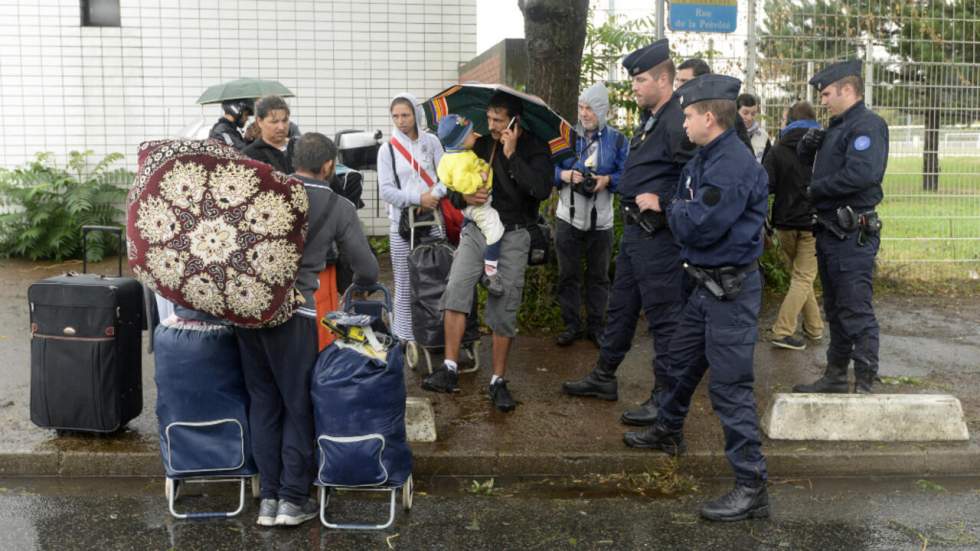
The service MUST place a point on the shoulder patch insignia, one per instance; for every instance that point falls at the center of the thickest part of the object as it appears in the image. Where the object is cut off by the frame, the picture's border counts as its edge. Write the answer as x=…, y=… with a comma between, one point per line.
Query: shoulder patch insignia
x=862, y=142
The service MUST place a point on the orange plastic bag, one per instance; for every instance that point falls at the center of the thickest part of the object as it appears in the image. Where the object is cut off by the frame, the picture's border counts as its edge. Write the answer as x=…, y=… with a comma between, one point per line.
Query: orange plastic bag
x=327, y=300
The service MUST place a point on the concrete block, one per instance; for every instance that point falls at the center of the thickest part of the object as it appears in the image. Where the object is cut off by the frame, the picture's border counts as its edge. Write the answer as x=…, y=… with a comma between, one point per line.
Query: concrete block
x=875, y=417
x=420, y=420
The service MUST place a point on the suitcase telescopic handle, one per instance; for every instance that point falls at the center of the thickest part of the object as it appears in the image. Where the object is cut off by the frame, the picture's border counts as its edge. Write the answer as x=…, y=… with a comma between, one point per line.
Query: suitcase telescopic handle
x=108, y=229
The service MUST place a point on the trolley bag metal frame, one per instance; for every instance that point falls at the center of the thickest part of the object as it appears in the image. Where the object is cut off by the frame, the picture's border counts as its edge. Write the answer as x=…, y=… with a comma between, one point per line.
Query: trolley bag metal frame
x=418, y=349
x=383, y=311
x=176, y=476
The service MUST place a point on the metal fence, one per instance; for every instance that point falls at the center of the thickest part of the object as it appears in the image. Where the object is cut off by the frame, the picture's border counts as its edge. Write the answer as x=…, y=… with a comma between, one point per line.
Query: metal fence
x=922, y=74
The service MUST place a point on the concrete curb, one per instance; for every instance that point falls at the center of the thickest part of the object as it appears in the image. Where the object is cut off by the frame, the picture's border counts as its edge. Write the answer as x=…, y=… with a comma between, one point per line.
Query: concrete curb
x=784, y=462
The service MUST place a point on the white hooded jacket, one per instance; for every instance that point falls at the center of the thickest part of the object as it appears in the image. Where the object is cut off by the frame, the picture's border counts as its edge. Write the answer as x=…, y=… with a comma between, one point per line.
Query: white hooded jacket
x=427, y=151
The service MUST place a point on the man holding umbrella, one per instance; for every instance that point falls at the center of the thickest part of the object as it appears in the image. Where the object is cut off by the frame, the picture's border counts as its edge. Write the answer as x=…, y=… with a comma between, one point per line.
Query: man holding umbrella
x=648, y=267
x=522, y=177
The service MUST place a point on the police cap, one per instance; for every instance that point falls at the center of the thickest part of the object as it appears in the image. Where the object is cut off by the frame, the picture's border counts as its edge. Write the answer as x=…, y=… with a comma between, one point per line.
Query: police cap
x=647, y=58
x=706, y=87
x=834, y=72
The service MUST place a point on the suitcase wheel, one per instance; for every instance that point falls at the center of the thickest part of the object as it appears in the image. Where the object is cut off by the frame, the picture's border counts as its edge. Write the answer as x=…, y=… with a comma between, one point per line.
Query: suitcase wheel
x=408, y=491
x=411, y=354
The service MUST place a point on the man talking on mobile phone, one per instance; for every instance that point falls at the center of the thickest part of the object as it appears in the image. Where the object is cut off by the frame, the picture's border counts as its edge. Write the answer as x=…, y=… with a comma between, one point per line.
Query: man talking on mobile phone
x=522, y=177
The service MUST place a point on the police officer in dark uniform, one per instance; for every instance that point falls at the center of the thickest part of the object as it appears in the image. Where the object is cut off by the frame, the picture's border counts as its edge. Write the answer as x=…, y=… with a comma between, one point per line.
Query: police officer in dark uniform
x=226, y=130
x=851, y=156
x=648, y=268
x=717, y=216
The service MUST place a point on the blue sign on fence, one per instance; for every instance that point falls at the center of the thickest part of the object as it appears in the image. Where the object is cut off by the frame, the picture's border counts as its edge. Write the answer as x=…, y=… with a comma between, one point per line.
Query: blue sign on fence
x=704, y=16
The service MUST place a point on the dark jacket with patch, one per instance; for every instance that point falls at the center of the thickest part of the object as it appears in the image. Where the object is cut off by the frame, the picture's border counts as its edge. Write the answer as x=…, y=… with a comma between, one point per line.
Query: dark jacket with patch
x=851, y=162
x=658, y=151
x=788, y=179
x=721, y=204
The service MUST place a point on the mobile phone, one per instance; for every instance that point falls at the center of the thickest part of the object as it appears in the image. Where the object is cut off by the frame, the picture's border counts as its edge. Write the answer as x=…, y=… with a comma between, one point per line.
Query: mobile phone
x=511, y=123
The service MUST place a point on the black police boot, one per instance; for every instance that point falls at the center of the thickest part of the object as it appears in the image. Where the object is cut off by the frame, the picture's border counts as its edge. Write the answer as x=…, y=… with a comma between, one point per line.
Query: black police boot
x=745, y=501
x=834, y=381
x=657, y=437
x=864, y=379
x=646, y=414
x=599, y=383
x=566, y=337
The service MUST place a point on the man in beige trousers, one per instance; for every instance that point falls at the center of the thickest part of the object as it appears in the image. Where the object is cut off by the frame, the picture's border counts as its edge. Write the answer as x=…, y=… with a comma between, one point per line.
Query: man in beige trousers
x=792, y=216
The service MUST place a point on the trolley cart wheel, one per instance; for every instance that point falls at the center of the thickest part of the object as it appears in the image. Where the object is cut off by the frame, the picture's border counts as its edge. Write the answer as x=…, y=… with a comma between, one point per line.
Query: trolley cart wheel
x=411, y=354
x=256, y=488
x=472, y=351
x=408, y=493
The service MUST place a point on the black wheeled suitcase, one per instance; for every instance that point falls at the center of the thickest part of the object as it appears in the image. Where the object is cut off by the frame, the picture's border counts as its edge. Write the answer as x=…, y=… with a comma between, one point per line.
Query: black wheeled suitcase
x=86, y=349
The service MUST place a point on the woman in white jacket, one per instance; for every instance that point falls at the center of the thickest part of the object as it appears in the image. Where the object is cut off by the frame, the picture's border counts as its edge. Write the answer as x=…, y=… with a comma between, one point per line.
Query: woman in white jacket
x=409, y=189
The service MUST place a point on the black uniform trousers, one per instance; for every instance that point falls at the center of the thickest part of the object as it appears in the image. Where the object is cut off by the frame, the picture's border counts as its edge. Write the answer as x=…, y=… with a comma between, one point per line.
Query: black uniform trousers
x=846, y=271
x=572, y=244
x=719, y=336
x=277, y=363
x=649, y=276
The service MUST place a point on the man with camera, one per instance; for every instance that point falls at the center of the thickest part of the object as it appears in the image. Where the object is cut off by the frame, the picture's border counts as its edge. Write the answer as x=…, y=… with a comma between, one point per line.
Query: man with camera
x=585, y=216
x=648, y=267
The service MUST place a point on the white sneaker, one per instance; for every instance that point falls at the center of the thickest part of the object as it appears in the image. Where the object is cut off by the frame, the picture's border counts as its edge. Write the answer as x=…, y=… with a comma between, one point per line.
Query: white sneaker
x=294, y=515
x=267, y=512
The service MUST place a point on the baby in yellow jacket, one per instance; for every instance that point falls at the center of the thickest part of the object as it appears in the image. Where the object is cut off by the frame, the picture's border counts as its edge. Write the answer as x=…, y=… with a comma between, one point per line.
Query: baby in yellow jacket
x=462, y=171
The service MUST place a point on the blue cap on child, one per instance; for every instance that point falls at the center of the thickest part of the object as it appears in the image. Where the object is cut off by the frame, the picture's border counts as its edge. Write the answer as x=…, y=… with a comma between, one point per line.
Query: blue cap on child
x=453, y=131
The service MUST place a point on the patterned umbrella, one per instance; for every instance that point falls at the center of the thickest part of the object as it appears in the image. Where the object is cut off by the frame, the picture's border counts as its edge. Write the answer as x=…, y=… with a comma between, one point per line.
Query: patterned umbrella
x=470, y=101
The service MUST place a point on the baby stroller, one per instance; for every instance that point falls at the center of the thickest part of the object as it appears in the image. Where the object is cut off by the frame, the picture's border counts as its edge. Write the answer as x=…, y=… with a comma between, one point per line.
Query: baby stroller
x=358, y=392
x=202, y=410
x=428, y=268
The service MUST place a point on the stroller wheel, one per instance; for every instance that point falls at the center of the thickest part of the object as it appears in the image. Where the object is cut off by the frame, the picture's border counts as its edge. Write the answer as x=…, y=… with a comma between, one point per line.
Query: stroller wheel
x=408, y=493
x=256, y=489
x=411, y=354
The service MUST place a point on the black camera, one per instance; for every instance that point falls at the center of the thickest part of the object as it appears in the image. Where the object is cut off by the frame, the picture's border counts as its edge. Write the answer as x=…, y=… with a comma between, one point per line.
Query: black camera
x=588, y=184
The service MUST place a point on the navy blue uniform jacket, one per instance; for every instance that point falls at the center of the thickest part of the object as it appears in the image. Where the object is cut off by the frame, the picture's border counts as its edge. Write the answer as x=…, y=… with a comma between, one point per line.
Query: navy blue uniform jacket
x=654, y=163
x=720, y=205
x=851, y=162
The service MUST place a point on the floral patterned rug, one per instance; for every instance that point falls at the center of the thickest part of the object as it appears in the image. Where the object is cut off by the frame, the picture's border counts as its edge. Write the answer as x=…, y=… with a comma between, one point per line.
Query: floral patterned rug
x=213, y=230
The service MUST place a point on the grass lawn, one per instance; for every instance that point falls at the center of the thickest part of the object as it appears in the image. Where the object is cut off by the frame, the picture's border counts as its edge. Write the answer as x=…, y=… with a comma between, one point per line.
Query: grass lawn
x=931, y=234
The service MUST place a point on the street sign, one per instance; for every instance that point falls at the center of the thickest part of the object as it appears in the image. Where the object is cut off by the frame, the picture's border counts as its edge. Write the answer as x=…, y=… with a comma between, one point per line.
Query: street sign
x=704, y=16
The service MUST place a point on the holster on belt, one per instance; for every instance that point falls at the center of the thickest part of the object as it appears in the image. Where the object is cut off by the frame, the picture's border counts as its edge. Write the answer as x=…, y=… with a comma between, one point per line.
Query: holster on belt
x=869, y=223
x=724, y=283
x=846, y=221
x=648, y=220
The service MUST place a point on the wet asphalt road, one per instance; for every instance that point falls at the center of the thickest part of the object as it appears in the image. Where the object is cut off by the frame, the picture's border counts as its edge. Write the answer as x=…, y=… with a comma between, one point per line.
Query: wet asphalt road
x=608, y=513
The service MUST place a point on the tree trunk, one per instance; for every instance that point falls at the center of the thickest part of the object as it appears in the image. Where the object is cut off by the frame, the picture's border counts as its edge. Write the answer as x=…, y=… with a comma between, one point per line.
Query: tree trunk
x=930, y=152
x=554, y=32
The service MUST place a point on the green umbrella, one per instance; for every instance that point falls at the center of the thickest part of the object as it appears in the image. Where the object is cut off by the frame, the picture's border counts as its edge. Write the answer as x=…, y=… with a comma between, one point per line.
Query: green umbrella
x=243, y=88
x=470, y=101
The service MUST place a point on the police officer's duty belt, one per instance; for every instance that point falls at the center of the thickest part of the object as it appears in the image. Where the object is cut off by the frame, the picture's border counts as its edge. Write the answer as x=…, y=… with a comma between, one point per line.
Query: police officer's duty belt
x=724, y=282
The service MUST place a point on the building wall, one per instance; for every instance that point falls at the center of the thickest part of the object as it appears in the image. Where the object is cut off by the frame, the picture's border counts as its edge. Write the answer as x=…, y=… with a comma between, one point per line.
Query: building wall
x=504, y=63
x=65, y=87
